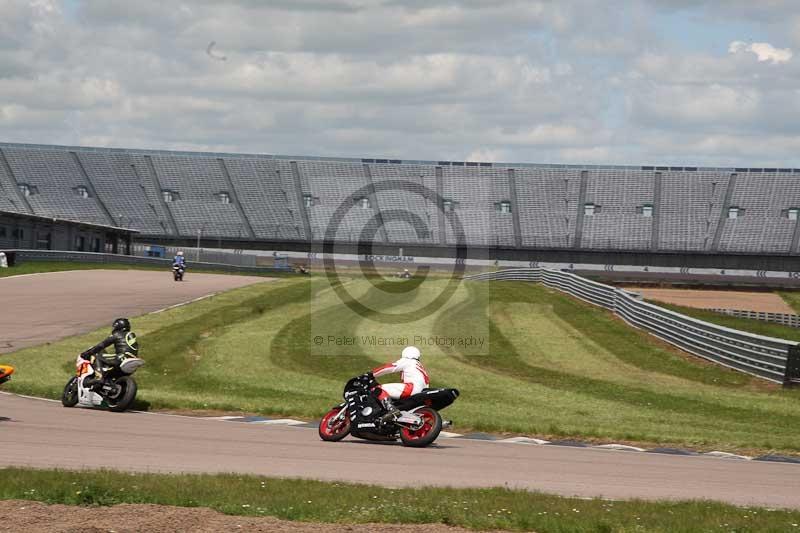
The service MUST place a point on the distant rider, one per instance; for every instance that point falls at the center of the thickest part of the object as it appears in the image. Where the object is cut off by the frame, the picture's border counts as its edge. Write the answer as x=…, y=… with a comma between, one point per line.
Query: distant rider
x=179, y=260
x=124, y=342
x=414, y=379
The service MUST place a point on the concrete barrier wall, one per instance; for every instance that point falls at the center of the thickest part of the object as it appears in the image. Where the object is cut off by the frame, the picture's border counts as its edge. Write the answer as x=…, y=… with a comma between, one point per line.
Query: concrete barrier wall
x=22, y=256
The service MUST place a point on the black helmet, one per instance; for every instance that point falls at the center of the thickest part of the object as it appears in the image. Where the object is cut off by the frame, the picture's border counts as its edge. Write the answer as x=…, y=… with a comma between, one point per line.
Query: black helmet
x=121, y=324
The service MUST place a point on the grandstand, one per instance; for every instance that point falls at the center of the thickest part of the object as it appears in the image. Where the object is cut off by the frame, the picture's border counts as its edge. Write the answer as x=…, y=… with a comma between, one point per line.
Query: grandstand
x=513, y=209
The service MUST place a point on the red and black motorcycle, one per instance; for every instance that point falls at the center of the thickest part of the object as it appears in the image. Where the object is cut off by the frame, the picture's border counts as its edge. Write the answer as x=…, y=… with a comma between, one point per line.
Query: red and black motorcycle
x=362, y=415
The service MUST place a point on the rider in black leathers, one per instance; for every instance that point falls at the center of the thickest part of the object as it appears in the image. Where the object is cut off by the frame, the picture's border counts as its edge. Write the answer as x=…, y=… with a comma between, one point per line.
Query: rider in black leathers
x=124, y=342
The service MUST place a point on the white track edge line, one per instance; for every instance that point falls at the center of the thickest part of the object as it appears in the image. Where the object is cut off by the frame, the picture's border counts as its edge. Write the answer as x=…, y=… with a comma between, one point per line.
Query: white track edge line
x=445, y=434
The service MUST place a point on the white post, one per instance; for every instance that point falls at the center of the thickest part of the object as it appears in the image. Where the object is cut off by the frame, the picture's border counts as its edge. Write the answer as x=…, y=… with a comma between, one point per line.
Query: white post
x=199, y=234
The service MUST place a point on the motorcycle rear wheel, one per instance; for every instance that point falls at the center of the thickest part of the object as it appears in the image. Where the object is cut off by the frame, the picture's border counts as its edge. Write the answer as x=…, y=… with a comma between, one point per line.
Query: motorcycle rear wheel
x=333, y=432
x=427, y=433
x=69, y=398
x=126, y=395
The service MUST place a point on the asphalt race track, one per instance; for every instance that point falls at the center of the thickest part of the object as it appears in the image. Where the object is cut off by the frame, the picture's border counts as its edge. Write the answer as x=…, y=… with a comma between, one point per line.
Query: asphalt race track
x=42, y=433
x=40, y=308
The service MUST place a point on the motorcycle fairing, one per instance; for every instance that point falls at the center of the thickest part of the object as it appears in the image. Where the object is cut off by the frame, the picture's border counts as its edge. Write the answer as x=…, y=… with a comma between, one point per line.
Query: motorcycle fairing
x=86, y=397
x=435, y=398
x=5, y=373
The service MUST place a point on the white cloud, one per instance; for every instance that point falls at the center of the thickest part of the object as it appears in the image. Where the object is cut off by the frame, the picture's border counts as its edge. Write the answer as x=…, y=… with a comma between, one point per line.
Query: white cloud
x=489, y=155
x=508, y=80
x=712, y=104
x=764, y=51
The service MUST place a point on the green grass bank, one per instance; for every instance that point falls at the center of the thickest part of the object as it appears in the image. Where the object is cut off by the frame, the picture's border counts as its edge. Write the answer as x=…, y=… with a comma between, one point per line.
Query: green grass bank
x=550, y=366
x=314, y=501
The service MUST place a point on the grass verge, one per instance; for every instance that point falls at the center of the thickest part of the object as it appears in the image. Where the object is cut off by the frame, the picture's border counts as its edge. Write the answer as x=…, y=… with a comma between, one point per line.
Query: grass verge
x=792, y=298
x=759, y=327
x=315, y=501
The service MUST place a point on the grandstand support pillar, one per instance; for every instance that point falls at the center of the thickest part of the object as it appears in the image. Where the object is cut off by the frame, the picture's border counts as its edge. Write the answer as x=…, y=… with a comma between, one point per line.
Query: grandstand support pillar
x=157, y=186
x=235, y=198
x=795, y=238
x=373, y=200
x=655, y=235
x=723, y=215
x=93, y=189
x=581, y=209
x=301, y=205
x=70, y=244
x=439, y=207
x=512, y=186
x=14, y=184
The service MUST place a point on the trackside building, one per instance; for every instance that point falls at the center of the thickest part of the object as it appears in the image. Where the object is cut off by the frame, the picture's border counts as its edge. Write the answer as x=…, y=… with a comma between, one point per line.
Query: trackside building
x=21, y=231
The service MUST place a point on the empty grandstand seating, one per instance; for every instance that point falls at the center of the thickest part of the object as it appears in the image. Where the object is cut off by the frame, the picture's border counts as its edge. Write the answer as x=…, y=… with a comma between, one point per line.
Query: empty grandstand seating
x=477, y=193
x=619, y=223
x=763, y=226
x=119, y=187
x=269, y=198
x=56, y=177
x=690, y=207
x=547, y=201
x=198, y=183
x=8, y=201
x=9, y=198
x=406, y=195
x=332, y=187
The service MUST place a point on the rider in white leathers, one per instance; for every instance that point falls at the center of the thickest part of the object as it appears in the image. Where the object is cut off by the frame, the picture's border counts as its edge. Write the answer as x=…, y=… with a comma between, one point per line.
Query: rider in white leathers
x=414, y=378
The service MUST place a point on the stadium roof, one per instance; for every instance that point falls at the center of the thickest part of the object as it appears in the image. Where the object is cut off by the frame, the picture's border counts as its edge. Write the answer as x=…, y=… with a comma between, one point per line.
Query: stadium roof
x=51, y=220
x=679, y=168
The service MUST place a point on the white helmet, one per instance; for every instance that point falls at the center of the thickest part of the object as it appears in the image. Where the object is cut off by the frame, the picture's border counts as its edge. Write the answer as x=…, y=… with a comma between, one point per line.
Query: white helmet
x=411, y=352
x=180, y=253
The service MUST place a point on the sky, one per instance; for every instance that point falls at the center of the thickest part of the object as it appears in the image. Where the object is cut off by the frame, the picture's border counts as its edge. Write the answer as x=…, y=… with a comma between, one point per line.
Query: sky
x=672, y=82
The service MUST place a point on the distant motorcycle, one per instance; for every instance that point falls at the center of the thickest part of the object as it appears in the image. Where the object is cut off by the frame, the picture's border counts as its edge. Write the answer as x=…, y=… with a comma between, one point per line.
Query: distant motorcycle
x=5, y=373
x=361, y=415
x=177, y=272
x=117, y=391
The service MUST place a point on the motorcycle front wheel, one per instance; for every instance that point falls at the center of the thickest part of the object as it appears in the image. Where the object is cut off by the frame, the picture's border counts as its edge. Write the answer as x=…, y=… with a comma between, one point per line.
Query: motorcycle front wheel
x=69, y=398
x=331, y=430
x=124, y=398
x=426, y=433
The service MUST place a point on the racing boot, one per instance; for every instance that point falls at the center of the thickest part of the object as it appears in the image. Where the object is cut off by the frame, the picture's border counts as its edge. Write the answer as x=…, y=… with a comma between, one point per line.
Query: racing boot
x=94, y=381
x=392, y=412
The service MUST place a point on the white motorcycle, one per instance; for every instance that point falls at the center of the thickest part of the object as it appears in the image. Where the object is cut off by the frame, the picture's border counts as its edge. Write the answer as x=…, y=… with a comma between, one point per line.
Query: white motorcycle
x=117, y=390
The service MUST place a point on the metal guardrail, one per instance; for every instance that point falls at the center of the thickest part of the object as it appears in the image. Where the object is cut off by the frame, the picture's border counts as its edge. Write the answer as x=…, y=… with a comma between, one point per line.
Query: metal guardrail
x=785, y=319
x=206, y=256
x=90, y=257
x=776, y=360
